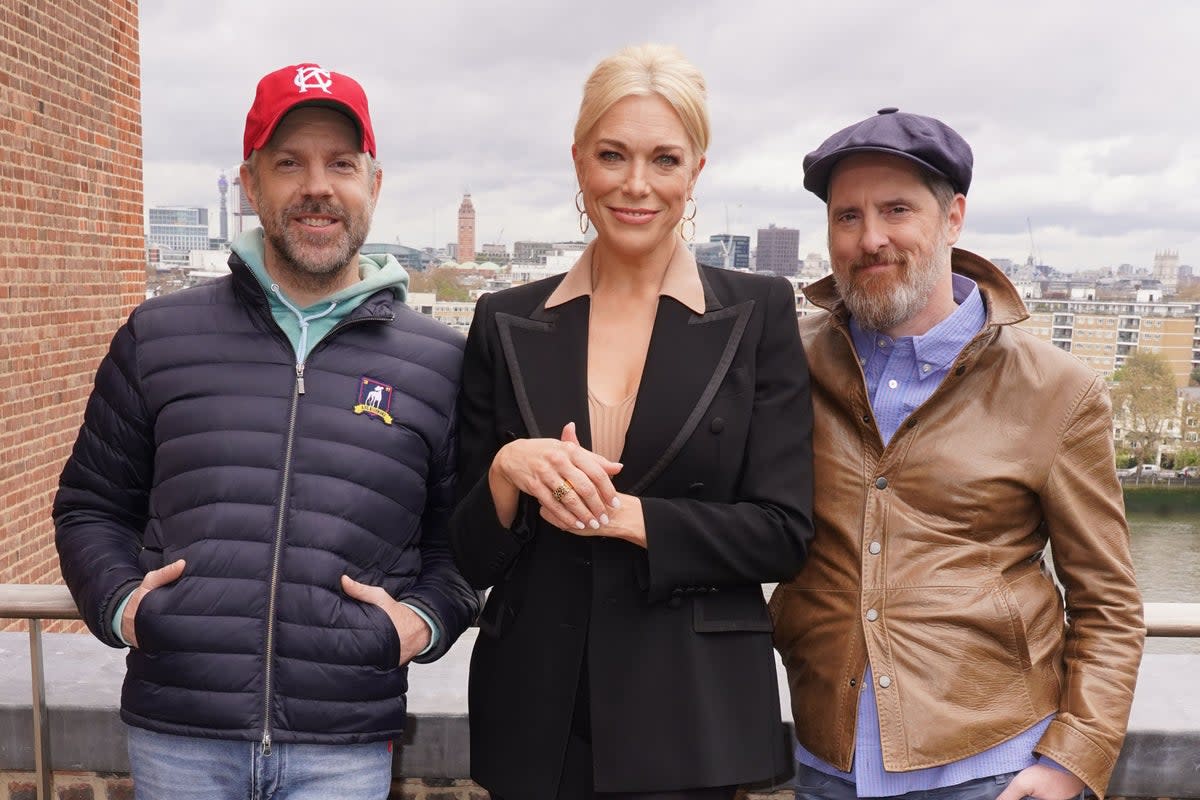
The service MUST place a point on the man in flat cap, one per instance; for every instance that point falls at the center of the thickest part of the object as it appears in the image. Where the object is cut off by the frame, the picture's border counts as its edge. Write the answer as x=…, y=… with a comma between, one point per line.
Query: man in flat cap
x=257, y=503
x=929, y=650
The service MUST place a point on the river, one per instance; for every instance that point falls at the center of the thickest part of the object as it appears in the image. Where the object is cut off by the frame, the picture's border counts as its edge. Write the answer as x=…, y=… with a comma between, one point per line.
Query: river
x=1166, y=555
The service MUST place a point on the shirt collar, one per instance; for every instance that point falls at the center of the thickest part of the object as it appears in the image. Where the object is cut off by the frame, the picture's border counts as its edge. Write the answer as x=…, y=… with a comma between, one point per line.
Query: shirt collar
x=941, y=344
x=681, y=281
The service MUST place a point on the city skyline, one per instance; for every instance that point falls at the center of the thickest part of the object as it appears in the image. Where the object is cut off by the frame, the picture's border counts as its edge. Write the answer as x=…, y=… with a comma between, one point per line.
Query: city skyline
x=1077, y=112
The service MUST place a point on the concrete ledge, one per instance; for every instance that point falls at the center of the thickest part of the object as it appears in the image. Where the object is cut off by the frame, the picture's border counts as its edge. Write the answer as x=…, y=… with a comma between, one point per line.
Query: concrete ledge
x=83, y=683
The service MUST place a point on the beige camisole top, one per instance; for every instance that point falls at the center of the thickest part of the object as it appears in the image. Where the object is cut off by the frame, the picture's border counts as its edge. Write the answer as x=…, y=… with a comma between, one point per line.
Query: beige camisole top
x=610, y=423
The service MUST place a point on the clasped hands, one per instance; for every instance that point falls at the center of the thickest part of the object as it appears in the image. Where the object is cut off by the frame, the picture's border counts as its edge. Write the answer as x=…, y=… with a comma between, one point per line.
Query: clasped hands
x=572, y=484
x=413, y=631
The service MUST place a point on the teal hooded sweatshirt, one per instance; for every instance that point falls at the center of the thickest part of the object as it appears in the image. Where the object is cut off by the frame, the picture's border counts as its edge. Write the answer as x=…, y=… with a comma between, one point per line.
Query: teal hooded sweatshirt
x=306, y=327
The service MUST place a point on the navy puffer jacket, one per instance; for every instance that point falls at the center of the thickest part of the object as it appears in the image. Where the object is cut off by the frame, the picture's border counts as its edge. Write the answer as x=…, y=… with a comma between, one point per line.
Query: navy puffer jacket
x=202, y=441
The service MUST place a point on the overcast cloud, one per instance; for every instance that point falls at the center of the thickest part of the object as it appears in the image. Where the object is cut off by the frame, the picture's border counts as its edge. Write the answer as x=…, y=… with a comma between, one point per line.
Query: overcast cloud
x=1082, y=115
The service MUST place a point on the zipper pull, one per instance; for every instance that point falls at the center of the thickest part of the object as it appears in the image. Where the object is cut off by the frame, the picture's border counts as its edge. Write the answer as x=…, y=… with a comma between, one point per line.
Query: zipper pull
x=266, y=744
x=299, y=380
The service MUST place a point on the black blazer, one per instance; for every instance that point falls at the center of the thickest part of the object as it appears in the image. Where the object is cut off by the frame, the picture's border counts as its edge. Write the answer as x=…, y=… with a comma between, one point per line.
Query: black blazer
x=680, y=668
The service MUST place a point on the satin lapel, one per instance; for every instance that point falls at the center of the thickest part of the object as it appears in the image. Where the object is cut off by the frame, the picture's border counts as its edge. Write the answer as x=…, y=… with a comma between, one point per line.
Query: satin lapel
x=688, y=357
x=547, y=360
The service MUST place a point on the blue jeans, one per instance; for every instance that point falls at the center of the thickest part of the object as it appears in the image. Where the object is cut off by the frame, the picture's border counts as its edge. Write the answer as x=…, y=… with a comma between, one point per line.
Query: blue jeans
x=167, y=767
x=812, y=784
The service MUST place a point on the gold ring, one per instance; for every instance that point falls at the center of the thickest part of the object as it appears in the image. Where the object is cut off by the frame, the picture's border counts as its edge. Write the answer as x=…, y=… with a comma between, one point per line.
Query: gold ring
x=562, y=491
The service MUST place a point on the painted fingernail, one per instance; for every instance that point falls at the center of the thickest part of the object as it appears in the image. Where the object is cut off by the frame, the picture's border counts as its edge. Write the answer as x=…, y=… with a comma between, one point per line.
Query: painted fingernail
x=604, y=519
x=579, y=525
x=616, y=502
x=595, y=525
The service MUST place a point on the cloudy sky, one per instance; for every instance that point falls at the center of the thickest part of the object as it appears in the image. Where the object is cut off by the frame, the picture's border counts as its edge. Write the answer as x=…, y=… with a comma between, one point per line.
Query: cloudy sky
x=1083, y=115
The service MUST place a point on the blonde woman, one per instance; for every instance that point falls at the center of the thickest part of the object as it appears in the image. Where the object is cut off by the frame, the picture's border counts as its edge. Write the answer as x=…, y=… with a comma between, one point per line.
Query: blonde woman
x=635, y=462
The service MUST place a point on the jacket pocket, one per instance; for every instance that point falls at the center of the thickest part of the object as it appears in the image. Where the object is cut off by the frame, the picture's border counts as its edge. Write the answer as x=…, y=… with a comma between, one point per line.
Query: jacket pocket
x=151, y=621
x=731, y=610
x=387, y=640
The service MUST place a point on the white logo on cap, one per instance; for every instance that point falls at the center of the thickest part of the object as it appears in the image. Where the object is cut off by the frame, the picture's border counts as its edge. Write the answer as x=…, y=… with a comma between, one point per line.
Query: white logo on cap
x=313, y=78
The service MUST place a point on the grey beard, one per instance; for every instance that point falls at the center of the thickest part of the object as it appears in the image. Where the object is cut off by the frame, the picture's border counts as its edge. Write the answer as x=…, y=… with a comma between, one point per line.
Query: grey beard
x=877, y=311
x=312, y=272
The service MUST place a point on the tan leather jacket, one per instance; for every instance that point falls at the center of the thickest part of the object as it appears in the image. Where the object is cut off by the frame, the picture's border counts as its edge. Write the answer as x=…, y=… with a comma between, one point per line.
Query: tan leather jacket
x=927, y=560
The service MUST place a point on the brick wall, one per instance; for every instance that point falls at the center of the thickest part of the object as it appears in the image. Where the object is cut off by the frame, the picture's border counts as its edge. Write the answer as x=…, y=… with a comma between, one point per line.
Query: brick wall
x=71, y=242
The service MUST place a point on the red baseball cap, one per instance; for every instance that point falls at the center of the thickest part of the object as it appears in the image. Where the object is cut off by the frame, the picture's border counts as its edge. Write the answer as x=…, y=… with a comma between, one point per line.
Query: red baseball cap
x=305, y=85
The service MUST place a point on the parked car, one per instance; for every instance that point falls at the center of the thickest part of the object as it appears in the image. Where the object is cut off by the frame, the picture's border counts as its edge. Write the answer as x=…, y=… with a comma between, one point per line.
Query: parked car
x=1190, y=472
x=1126, y=472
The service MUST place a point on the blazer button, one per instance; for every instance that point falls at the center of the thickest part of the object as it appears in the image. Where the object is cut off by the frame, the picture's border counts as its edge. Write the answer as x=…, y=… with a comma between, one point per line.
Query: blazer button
x=675, y=602
x=717, y=425
x=881, y=482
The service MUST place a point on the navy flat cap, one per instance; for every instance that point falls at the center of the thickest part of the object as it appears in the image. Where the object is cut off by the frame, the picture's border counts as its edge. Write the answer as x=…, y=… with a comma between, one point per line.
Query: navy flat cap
x=923, y=140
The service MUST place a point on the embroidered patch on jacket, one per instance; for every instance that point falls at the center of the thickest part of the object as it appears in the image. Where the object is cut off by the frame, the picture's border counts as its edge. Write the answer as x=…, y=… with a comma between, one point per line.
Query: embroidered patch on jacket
x=375, y=398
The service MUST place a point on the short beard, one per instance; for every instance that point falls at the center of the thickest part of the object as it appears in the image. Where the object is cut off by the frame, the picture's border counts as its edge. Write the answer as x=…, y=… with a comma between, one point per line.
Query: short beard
x=316, y=269
x=883, y=302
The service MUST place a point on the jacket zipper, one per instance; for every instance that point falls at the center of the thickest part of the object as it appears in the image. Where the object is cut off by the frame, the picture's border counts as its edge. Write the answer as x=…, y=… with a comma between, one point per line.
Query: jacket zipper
x=277, y=552
x=268, y=668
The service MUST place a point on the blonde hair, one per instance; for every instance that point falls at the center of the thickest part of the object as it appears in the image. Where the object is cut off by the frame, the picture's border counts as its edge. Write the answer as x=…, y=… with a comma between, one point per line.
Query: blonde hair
x=647, y=69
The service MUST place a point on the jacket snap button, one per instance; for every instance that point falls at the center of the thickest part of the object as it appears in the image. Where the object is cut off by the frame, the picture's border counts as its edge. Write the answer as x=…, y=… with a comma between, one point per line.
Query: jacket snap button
x=717, y=425
x=875, y=548
x=881, y=482
x=885, y=681
x=872, y=615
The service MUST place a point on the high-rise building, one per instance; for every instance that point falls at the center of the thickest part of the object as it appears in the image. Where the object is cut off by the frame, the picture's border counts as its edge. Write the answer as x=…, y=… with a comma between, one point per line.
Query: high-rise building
x=466, y=230
x=176, y=231
x=709, y=254
x=223, y=189
x=778, y=250
x=1103, y=333
x=242, y=208
x=1166, y=268
x=736, y=249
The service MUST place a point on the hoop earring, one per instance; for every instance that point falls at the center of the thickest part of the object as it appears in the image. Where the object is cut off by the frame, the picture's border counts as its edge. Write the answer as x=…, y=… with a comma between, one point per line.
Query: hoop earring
x=584, y=222
x=688, y=220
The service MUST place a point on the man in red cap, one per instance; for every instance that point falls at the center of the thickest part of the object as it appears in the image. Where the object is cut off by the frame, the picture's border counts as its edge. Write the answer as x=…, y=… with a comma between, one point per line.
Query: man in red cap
x=258, y=498
x=929, y=651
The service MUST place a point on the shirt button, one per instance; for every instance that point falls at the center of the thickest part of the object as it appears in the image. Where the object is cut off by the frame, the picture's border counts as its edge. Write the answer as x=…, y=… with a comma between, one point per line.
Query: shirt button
x=881, y=482
x=884, y=681
x=875, y=548
x=925, y=368
x=872, y=615
x=882, y=343
x=892, y=384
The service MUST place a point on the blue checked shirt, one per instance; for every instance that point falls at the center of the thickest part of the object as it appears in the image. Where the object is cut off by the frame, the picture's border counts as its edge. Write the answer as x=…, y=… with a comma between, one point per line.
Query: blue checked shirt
x=901, y=375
